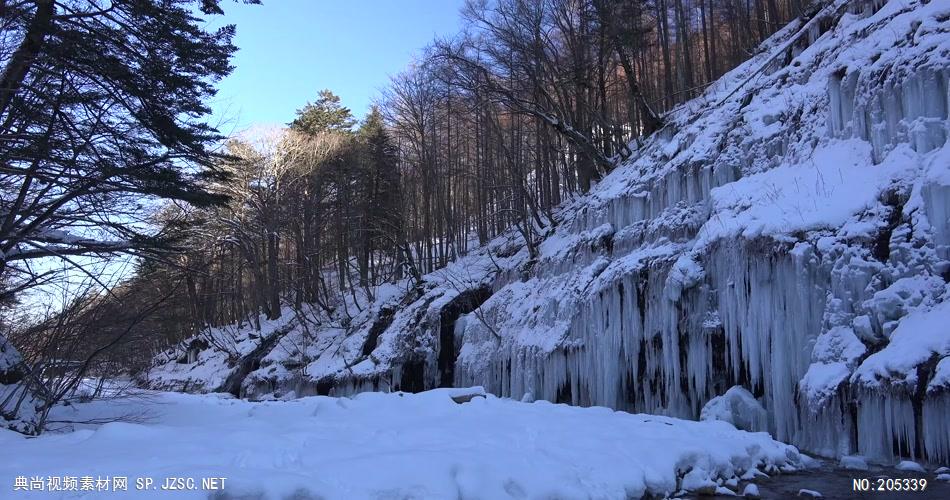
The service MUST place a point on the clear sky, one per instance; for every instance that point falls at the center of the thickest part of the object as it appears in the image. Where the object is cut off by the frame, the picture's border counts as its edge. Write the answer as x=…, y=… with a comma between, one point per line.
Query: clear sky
x=290, y=49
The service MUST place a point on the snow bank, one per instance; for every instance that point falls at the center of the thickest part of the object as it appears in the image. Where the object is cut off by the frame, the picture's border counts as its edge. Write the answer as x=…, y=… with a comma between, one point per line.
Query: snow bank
x=392, y=446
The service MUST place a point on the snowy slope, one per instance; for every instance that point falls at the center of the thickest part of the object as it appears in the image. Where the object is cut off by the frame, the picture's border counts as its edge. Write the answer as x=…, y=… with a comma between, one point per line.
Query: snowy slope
x=205, y=362
x=787, y=232
x=427, y=446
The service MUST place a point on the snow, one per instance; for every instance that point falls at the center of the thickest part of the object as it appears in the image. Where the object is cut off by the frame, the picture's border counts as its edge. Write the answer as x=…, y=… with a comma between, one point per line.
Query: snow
x=834, y=357
x=684, y=274
x=941, y=378
x=9, y=356
x=724, y=492
x=390, y=446
x=791, y=235
x=836, y=183
x=853, y=462
x=738, y=407
x=207, y=369
x=765, y=211
x=910, y=466
x=698, y=480
x=751, y=491
x=920, y=336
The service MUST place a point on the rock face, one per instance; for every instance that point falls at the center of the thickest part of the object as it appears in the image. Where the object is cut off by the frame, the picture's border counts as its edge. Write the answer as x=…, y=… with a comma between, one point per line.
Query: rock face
x=788, y=237
x=787, y=232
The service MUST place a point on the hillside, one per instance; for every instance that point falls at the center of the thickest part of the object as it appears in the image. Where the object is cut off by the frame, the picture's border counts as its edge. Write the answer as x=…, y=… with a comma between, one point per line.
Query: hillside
x=788, y=232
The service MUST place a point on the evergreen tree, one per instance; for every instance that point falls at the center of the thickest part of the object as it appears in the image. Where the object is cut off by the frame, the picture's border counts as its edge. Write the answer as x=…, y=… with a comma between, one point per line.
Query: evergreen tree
x=324, y=115
x=327, y=117
x=102, y=110
x=379, y=181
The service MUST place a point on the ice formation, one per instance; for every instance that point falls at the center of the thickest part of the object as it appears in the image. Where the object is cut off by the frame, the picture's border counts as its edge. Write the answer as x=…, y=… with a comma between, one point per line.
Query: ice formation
x=787, y=232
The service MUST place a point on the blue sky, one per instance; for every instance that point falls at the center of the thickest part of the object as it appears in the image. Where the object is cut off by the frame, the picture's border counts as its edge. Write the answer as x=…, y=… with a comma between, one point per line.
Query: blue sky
x=290, y=49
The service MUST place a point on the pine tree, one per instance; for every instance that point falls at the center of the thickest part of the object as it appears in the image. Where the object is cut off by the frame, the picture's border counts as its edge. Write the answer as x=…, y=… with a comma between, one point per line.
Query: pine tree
x=379, y=180
x=324, y=115
x=102, y=110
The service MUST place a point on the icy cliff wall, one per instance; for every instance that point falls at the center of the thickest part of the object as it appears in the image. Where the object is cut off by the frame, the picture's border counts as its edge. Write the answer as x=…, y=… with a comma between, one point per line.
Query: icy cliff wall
x=789, y=236
x=788, y=232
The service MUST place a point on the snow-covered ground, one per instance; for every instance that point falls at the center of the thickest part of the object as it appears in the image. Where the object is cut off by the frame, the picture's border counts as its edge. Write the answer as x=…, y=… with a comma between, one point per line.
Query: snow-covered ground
x=377, y=445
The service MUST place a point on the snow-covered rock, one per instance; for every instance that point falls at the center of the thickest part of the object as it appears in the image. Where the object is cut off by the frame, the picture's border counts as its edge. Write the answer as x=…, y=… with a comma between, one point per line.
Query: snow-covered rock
x=467, y=394
x=698, y=481
x=853, y=462
x=910, y=466
x=722, y=491
x=750, y=491
x=738, y=407
x=205, y=363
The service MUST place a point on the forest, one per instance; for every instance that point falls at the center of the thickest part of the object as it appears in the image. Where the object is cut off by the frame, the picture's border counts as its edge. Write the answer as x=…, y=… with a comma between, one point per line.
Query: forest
x=491, y=129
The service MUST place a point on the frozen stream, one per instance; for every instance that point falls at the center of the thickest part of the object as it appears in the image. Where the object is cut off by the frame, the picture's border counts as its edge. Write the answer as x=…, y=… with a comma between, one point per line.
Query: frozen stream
x=837, y=483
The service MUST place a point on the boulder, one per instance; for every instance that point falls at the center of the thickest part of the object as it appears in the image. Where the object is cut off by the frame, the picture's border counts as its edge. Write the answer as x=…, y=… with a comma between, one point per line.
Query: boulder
x=738, y=407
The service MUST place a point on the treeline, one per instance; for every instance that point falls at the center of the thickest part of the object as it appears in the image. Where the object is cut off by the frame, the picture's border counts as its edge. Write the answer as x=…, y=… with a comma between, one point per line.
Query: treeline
x=314, y=211
x=491, y=129
x=537, y=99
